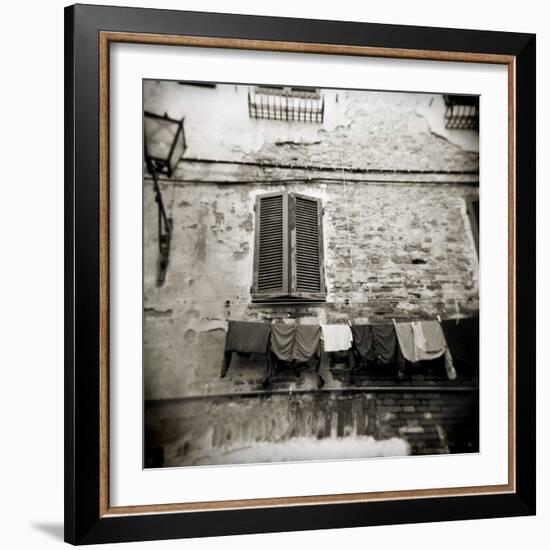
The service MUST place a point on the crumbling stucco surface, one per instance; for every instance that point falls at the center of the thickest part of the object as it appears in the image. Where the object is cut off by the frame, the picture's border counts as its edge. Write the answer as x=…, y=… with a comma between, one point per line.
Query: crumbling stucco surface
x=377, y=130
x=381, y=131
x=397, y=245
x=391, y=251
x=271, y=428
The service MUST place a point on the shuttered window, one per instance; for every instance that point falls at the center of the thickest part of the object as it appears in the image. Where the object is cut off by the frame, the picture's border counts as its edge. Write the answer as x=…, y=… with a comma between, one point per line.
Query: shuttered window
x=272, y=256
x=288, y=259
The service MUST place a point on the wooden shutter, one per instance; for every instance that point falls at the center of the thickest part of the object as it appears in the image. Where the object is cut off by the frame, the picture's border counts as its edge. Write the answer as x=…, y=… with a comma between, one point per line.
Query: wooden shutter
x=271, y=246
x=306, y=230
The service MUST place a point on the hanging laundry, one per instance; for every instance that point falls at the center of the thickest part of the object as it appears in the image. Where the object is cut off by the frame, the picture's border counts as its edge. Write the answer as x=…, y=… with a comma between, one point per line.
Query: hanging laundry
x=412, y=341
x=405, y=338
x=307, y=343
x=363, y=340
x=336, y=337
x=449, y=365
x=418, y=338
x=434, y=340
x=375, y=342
x=290, y=342
x=462, y=336
x=247, y=337
x=282, y=340
x=424, y=341
x=431, y=338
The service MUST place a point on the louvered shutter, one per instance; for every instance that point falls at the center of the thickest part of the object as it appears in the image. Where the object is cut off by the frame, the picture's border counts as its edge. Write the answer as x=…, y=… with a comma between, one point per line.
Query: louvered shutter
x=306, y=230
x=271, y=246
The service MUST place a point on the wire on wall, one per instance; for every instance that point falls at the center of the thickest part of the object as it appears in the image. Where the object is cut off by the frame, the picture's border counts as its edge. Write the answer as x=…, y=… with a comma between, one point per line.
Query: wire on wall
x=346, y=208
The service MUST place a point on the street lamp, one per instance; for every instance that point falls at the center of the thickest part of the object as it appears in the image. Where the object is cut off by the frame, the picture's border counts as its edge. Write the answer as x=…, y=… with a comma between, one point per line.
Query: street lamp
x=164, y=144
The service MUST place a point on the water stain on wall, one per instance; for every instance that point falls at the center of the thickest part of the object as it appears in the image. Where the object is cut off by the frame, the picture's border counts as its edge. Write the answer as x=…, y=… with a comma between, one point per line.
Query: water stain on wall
x=242, y=252
x=201, y=235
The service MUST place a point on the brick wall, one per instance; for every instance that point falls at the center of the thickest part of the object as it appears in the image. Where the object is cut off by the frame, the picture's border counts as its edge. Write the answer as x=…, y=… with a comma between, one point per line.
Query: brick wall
x=397, y=245
x=379, y=131
x=216, y=430
x=400, y=251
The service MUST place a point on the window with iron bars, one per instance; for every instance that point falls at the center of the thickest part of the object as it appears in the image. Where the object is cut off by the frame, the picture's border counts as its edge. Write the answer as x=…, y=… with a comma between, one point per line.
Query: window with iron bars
x=296, y=104
x=461, y=112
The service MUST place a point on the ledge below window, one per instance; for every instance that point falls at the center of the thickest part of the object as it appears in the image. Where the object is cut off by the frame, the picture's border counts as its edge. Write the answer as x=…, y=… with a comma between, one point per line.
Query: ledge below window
x=297, y=298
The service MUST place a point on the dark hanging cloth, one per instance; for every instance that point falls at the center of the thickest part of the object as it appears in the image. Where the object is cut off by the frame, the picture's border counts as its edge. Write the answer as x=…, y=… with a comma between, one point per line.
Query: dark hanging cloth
x=306, y=345
x=463, y=340
x=363, y=340
x=282, y=340
x=247, y=337
x=291, y=342
x=385, y=343
x=375, y=342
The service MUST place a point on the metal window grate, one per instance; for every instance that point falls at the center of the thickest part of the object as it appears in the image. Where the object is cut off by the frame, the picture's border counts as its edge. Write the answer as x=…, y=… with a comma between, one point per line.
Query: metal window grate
x=294, y=104
x=461, y=112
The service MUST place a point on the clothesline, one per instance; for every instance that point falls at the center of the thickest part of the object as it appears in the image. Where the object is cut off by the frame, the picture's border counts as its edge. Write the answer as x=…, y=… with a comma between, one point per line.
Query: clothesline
x=413, y=341
x=285, y=320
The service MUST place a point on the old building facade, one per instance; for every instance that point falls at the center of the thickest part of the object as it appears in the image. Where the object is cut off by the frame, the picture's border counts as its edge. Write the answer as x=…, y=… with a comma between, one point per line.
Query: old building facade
x=398, y=242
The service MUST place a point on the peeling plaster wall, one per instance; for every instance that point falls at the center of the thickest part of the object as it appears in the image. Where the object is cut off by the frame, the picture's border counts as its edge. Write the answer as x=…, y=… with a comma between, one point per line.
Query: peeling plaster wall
x=270, y=428
x=401, y=251
x=380, y=131
x=397, y=245
x=217, y=124
x=376, y=130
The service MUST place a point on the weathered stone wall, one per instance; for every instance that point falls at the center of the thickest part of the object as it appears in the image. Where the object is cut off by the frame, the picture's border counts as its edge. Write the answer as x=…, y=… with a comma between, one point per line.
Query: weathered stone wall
x=397, y=244
x=223, y=430
x=400, y=251
x=380, y=131
x=374, y=130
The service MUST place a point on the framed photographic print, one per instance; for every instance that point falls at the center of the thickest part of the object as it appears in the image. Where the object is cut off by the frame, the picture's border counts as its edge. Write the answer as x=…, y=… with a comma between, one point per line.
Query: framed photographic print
x=299, y=274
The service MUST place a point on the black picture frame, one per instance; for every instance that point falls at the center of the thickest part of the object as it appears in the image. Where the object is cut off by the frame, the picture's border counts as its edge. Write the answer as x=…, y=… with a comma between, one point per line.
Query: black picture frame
x=84, y=521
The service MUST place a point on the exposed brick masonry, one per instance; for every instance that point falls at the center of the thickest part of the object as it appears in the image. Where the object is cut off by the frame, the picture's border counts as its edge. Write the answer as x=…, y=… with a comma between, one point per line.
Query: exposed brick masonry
x=397, y=245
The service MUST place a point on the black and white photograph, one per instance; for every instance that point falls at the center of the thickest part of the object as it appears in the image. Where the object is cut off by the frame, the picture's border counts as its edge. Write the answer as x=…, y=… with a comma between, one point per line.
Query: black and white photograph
x=310, y=268
x=275, y=275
